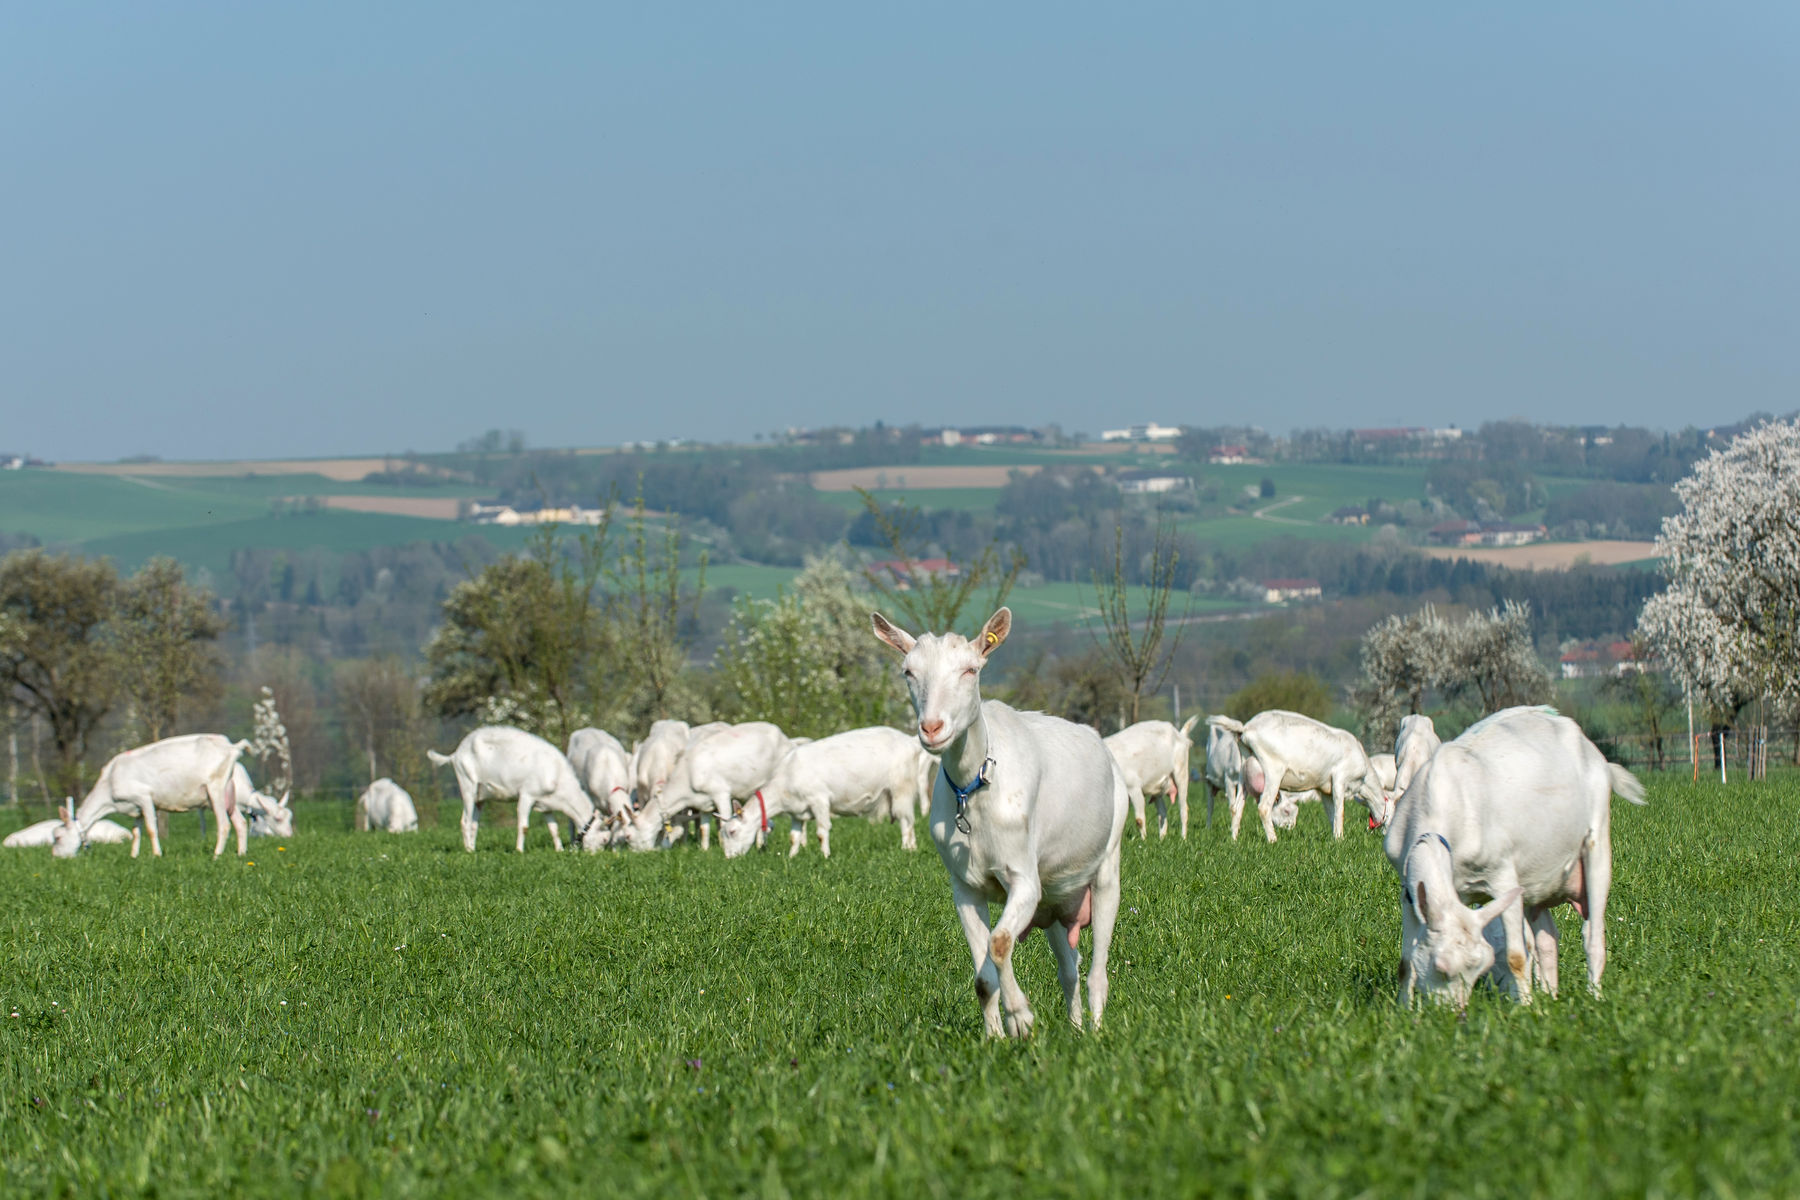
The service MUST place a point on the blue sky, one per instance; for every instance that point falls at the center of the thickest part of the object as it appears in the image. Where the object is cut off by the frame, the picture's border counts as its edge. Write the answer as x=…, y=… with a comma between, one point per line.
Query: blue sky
x=256, y=231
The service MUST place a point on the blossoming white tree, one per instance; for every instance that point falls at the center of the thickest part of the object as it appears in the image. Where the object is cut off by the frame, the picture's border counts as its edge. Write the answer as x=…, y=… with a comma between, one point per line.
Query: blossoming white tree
x=1726, y=625
x=1487, y=658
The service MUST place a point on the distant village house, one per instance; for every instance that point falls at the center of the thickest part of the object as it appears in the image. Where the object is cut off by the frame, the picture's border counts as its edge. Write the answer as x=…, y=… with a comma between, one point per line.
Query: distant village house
x=1280, y=591
x=1143, y=483
x=1484, y=533
x=1151, y=432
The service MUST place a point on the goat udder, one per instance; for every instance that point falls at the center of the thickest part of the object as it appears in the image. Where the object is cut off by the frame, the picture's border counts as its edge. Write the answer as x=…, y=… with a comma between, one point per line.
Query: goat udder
x=1083, y=916
x=1575, y=888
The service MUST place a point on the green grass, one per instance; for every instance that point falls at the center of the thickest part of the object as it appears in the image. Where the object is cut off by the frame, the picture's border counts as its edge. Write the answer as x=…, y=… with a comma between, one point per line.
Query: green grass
x=971, y=498
x=676, y=1024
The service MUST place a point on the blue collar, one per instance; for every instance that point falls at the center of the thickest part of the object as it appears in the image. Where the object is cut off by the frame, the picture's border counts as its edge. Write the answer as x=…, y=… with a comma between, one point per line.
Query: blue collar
x=963, y=793
x=1425, y=837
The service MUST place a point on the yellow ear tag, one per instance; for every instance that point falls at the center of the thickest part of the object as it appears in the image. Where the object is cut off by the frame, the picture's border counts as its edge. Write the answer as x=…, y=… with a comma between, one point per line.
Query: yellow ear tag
x=993, y=639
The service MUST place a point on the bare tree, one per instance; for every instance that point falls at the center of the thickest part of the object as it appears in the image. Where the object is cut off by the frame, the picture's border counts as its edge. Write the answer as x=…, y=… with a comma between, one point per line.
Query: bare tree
x=929, y=599
x=645, y=609
x=1136, y=647
x=381, y=709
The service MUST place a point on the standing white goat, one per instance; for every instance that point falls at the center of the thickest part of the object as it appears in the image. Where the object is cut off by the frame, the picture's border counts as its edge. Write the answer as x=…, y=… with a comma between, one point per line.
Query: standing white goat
x=718, y=766
x=1028, y=811
x=177, y=774
x=1517, y=811
x=604, y=769
x=387, y=807
x=1414, y=745
x=1153, y=757
x=1286, y=751
x=1224, y=773
x=498, y=762
x=873, y=773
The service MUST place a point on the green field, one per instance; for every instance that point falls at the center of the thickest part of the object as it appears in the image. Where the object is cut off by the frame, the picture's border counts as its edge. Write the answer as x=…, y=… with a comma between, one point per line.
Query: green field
x=370, y=1015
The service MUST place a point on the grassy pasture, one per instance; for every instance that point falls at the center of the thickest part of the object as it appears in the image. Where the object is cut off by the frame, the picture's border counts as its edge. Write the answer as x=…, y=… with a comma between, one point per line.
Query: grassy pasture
x=360, y=1014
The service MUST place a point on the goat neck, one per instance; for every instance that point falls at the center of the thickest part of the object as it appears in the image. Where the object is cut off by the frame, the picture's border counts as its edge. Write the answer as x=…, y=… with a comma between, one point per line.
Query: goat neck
x=968, y=752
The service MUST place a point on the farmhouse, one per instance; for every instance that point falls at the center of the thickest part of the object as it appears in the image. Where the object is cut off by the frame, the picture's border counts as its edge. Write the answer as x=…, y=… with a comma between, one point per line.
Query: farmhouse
x=1280, y=591
x=1142, y=483
x=1483, y=533
x=506, y=514
x=1226, y=455
x=1590, y=660
x=1349, y=515
x=982, y=435
x=900, y=575
x=1151, y=432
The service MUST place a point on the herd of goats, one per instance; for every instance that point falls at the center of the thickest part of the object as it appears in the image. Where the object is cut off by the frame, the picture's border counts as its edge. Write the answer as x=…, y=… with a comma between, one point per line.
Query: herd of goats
x=1027, y=810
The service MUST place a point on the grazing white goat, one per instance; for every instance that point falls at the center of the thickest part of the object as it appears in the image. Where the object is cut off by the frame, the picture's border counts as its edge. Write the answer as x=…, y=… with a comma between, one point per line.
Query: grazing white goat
x=177, y=774
x=1028, y=811
x=1286, y=751
x=264, y=814
x=1517, y=811
x=873, y=773
x=43, y=833
x=718, y=766
x=1287, y=809
x=653, y=758
x=1224, y=773
x=1153, y=757
x=386, y=807
x=1414, y=745
x=498, y=762
x=604, y=769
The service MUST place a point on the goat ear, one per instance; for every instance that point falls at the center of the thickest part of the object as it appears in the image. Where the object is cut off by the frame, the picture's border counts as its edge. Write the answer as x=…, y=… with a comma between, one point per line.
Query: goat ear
x=995, y=631
x=891, y=633
x=1422, y=906
x=1491, y=911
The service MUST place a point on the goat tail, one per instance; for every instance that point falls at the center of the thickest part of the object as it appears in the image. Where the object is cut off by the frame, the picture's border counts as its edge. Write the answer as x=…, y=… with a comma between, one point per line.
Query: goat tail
x=1187, y=726
x=436, y=758
x=239, y=747
x=1625, y=784
x=1228, y=724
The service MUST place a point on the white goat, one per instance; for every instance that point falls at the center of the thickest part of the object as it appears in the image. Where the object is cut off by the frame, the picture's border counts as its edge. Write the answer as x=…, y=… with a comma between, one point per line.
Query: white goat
x=1153, y=757
x=1516, y=811
x=264, y=814
x=386, y=807
x=177, y=774
x=718, y=766
x=498, y=762
x=1414, y=745
x=1224, y=773
x=653, y=758
x=874, y=773
x=1286, y=751
x=43, y=833
x=1028, y=811
x=604, y=769
x=1287, y=809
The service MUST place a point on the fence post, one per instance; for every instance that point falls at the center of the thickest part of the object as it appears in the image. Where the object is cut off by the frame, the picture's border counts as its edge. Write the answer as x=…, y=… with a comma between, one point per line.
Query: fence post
x=1693, y=747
